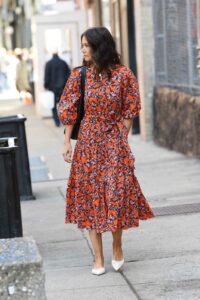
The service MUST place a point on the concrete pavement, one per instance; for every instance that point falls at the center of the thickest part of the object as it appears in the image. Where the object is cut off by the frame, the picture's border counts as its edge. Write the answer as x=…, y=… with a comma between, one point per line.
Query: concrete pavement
x=162, y=254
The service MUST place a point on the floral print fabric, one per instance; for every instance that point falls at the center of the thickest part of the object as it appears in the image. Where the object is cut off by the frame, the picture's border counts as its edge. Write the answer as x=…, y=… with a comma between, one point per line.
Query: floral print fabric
x=103, y=192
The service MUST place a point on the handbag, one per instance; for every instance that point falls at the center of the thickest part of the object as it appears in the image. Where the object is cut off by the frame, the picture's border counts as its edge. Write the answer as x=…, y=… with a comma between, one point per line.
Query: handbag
x=80, y=106
x=47, y=99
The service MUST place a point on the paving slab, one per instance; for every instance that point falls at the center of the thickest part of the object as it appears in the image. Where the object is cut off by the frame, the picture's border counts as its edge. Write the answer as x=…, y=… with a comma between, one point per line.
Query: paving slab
x=159, y=238
x=66, y=254
x=97, y=293
x=80, y=278
x=166, y=278
x=184, y=290
x=44, y=217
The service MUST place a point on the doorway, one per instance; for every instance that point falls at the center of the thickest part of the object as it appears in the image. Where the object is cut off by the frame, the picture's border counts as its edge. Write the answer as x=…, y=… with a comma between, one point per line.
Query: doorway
x=55, y=34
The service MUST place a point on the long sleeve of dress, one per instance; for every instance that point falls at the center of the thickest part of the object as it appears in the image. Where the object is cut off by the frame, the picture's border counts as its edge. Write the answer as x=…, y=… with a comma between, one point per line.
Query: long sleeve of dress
x=67, y=106
x=131, y=103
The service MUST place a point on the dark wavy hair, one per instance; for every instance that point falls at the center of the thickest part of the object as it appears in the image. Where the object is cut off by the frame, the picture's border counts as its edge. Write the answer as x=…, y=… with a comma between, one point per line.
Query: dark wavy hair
x=104, y=53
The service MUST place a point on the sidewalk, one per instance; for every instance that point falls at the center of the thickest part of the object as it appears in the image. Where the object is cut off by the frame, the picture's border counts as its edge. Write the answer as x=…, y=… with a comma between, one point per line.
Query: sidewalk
x=162, y=255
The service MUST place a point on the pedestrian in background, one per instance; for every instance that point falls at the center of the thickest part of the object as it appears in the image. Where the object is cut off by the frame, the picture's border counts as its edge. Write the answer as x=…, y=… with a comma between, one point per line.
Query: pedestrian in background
x=57, y=72
x=22, y=83
x=103, y=193
x=30, y=66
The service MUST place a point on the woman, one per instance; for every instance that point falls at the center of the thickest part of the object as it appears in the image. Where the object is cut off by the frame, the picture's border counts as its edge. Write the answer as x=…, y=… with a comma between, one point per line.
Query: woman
x=103, y=193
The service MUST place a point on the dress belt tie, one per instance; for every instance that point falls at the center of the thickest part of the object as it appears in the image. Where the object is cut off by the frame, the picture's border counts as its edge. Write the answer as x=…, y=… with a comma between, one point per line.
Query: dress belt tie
x=107, y=125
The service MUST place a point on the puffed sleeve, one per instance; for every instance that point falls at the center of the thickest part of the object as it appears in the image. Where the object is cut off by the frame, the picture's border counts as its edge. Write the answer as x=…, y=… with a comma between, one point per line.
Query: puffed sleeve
x=131, y=103
x=67, y=106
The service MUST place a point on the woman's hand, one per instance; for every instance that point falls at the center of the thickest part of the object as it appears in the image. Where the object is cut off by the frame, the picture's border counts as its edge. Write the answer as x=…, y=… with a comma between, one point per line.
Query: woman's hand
x=128, y=124
x=67, y=152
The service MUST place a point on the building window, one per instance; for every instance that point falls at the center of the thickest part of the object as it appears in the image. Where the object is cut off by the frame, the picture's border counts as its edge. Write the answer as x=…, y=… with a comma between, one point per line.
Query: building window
x=175, y=29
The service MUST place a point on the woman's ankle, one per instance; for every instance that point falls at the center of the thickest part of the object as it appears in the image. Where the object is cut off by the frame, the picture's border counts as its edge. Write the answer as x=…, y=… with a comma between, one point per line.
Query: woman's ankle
x=98, y=257
x=117, y=252
x=117, y=245
x=98, y=261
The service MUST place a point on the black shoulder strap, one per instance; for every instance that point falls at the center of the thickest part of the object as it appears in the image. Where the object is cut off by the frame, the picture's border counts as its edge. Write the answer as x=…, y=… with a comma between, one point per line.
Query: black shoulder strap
x=83, y=75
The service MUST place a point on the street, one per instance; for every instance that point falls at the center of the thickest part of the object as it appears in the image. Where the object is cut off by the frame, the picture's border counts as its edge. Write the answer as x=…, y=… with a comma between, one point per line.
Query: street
x=161, y=255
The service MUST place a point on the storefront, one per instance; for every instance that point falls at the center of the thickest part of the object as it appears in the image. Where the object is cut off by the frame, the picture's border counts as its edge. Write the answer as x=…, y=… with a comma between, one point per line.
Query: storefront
x=15, y=24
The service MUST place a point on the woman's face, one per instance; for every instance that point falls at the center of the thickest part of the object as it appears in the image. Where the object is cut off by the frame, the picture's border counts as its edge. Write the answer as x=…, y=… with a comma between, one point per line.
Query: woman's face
x=86, y=50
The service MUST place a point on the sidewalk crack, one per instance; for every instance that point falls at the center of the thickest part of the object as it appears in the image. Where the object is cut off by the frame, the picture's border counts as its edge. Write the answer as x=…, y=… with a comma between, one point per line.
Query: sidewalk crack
x=130, y=286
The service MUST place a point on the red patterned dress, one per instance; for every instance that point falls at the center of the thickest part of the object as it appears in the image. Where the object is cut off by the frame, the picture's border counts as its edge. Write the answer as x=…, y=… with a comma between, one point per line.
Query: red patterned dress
x=102, y=191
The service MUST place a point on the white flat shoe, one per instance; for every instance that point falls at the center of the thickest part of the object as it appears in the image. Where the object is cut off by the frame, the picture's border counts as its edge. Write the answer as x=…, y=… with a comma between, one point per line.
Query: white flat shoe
x=98, y=271
x=117, y=264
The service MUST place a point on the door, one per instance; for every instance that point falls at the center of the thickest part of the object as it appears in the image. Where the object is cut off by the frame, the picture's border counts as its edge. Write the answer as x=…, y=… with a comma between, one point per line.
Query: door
x=54, y=37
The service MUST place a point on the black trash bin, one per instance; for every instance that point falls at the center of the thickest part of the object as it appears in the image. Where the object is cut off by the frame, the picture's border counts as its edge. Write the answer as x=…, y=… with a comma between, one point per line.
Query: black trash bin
x=15, y=126
x=10, y=210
